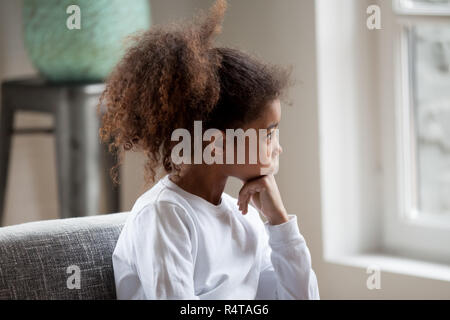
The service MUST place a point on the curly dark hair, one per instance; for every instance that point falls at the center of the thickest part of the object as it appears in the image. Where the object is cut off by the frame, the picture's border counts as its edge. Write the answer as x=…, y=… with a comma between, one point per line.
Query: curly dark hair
x=171, y=76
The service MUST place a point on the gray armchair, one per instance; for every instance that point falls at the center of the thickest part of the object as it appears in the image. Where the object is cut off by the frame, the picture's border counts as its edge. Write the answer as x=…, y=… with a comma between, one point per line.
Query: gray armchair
x=45, y=259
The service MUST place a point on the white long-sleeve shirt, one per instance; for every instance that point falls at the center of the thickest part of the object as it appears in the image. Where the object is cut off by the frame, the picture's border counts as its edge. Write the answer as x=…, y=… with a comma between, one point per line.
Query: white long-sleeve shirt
x=176, y=245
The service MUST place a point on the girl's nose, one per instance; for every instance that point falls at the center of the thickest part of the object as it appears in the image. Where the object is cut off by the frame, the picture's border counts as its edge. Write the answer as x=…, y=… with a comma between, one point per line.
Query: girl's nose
x=280, y=149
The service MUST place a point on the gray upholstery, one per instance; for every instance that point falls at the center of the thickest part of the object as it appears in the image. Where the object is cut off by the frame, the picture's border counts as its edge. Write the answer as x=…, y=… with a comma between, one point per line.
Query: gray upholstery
x=35, y=256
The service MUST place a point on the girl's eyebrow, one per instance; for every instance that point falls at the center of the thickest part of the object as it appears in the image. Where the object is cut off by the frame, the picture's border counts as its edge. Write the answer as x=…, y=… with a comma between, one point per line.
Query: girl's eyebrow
x=273, y=125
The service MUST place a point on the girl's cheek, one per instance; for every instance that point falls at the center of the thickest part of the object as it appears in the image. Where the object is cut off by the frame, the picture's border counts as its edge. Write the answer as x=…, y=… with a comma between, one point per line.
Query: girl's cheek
x=265, y=154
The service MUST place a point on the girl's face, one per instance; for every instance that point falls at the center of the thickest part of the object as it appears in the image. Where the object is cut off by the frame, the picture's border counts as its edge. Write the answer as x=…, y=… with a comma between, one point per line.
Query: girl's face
x=267, y=149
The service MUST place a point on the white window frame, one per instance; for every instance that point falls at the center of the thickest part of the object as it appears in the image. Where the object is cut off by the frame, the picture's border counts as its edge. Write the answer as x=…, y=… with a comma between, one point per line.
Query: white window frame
x=406, y=232
x=409, y=7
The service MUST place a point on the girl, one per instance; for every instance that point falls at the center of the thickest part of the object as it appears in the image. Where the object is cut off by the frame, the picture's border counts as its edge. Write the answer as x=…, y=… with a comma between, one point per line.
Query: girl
x=185, y=237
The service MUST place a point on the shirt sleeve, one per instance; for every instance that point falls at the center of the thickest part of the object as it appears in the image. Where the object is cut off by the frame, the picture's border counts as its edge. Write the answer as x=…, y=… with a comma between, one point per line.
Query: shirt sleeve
x=163, y=251
x=286, y=272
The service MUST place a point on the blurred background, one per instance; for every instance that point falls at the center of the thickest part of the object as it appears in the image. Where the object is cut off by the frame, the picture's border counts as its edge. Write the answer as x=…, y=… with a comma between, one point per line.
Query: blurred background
x=366, y=161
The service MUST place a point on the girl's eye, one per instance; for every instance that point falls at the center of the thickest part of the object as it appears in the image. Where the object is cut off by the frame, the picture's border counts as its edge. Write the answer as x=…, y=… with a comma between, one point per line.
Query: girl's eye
x=269, y=136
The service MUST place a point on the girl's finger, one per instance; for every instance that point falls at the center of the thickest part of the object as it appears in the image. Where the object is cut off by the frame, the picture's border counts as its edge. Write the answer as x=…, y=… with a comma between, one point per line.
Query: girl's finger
x=242, y=201
x=254, y=200
x=247, y=200
x=245, y=207
x=251, y=185
x=247, y=190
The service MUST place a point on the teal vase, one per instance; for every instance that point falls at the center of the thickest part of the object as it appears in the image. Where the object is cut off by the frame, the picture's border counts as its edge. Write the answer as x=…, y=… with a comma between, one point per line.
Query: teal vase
x=88, y=51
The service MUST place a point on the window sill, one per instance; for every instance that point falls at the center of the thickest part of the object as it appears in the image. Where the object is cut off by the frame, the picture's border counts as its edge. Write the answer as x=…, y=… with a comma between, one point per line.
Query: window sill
x=395, y=264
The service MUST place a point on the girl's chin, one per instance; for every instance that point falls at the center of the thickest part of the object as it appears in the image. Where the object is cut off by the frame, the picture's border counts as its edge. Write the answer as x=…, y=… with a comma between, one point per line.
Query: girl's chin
x=272, y=169
x=275, y=170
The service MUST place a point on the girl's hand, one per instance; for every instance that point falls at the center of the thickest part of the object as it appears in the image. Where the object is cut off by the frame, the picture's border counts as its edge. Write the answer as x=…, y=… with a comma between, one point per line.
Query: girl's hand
x=264, y=195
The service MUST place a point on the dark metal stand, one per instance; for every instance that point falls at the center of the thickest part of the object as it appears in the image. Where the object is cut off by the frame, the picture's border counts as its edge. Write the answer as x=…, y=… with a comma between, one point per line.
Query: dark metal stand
x=83, y=163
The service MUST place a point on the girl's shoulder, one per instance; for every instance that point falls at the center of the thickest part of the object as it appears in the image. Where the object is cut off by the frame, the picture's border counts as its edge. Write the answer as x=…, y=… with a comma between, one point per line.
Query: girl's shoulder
x=161, y=204
x=157, y=193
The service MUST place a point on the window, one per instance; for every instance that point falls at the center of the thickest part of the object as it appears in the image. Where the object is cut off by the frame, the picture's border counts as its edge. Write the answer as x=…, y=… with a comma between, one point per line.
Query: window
x=418, y=225
x=383, y=101
x=430, y=68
